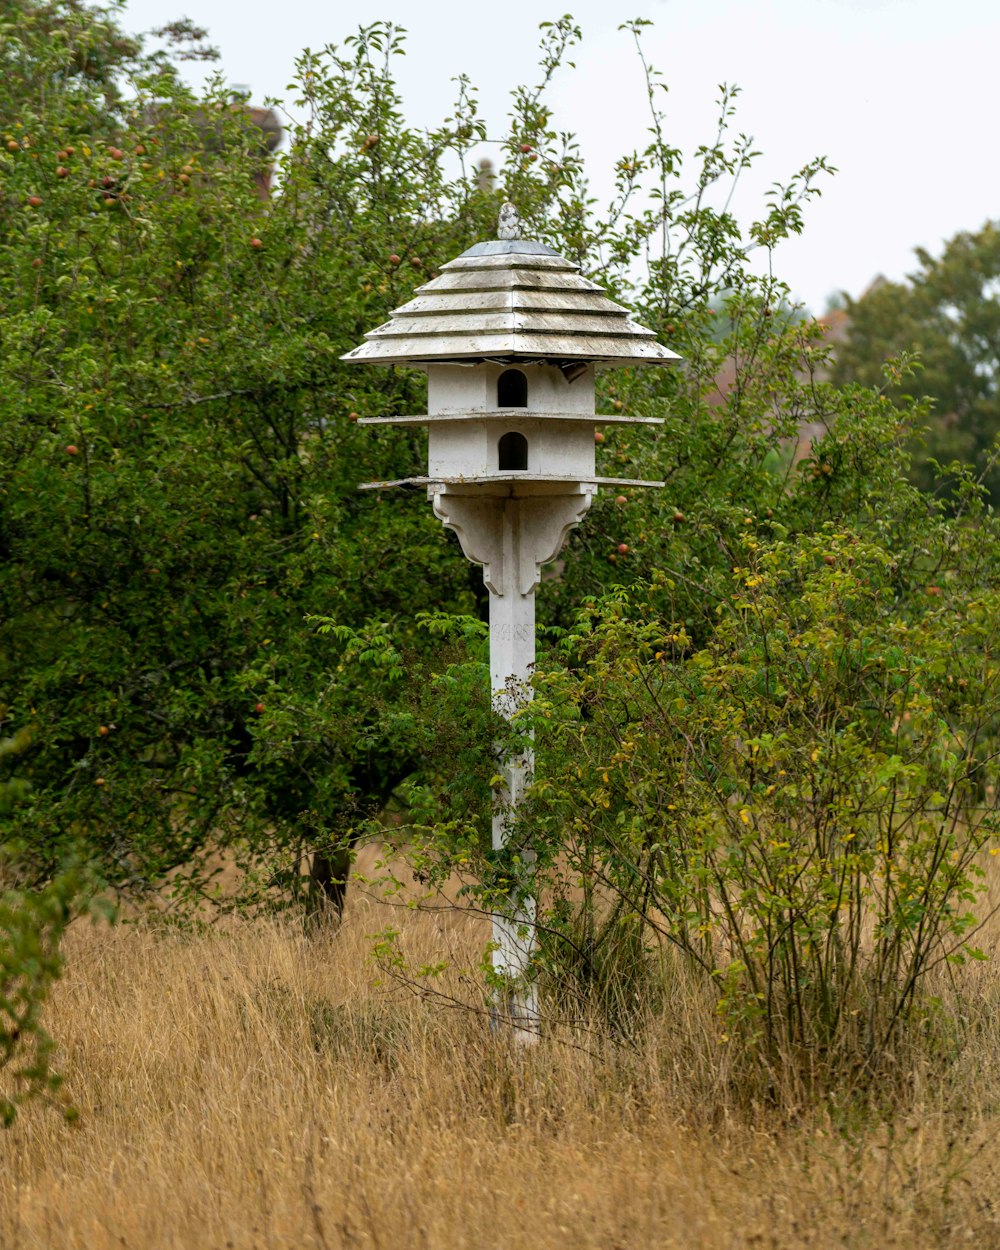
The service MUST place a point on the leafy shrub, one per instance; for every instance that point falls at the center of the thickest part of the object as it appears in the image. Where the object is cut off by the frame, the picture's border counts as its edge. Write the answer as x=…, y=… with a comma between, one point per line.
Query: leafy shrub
x=32, y=924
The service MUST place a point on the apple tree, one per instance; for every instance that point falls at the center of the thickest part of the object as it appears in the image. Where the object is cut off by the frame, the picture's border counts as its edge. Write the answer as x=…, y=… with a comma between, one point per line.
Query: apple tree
x=180, y=454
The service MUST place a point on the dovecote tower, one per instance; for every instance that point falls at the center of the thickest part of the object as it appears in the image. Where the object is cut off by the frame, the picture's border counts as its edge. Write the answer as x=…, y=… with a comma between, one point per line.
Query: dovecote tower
x=511, y=335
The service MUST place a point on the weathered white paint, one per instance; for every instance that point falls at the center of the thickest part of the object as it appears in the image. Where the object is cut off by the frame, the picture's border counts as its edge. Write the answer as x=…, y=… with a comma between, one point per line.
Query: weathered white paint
x=473, y=388
x=511, y=300
x=471, y=448
x=516, y=485
x=511, y=537
x=430, y=418
x=509, y=222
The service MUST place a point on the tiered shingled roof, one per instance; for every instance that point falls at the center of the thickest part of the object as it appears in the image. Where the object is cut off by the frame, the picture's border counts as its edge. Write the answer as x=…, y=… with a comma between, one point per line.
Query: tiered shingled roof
x=511, y=300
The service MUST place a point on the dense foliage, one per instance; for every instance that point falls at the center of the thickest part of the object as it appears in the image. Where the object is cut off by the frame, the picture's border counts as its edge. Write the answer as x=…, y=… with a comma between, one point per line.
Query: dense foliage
x=179, y=467
x=180, y=458
x=756, y=747
x=770, y=757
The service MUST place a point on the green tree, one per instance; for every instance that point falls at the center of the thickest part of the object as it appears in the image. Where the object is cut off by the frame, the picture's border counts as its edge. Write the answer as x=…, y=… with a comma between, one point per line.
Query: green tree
x=948, y=313
x=180, y=450
x=179, y=463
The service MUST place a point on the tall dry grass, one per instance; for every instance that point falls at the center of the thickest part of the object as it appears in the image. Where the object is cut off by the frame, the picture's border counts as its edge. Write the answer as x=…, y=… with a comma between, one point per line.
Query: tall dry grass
x=250, y=1086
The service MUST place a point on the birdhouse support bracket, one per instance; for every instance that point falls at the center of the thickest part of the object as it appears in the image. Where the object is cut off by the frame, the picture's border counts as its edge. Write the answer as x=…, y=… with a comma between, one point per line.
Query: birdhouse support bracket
x=512, y=537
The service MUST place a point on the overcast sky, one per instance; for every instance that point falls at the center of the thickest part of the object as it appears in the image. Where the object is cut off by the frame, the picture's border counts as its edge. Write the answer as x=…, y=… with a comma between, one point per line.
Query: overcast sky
x=900, y=95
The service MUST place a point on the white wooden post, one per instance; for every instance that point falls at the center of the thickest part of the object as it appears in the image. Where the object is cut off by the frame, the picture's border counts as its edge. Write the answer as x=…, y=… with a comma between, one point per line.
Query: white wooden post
x=512, y=538
x=512, y=659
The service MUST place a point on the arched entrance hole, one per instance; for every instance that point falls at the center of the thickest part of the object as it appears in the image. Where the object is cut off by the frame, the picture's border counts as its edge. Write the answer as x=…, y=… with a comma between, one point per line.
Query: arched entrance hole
x=512, y=389
x=513, y=453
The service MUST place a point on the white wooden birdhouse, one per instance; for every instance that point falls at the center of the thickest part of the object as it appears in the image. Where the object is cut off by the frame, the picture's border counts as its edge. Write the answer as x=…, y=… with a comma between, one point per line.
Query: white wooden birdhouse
x=511, y=335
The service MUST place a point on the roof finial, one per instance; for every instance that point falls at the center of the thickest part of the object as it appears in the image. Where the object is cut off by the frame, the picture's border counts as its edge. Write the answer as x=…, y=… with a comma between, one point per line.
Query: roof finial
x=509, y=224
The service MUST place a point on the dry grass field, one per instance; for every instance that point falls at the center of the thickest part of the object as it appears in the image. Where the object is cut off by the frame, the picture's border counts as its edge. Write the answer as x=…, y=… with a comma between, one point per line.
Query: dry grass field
x=247, y=1086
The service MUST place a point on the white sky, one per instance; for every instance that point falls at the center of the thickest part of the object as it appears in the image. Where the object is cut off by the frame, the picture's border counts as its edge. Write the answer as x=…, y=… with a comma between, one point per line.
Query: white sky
x=900, y=95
